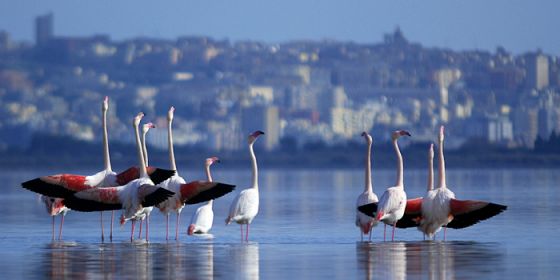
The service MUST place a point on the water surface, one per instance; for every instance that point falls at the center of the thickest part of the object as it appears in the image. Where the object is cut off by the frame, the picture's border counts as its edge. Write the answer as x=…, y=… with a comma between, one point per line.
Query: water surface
x=305, y=229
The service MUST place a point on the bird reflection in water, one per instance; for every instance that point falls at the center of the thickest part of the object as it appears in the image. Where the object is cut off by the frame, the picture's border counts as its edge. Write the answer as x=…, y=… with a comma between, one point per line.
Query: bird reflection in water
x=242, y=261
x=431, y=260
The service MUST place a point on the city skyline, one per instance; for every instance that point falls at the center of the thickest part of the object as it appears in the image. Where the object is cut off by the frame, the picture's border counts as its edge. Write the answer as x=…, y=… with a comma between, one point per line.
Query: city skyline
x=522, y=27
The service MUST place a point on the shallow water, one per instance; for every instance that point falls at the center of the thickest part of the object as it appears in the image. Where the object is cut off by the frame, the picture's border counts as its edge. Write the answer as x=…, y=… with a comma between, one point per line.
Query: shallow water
x=305, y=229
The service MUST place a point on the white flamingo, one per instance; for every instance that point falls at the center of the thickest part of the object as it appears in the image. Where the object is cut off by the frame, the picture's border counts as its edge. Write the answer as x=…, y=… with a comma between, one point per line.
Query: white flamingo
x=245, y=206
x=145, y=213
x=393, y=201
x=203, y=217
x=185, y=193
x=365, y=222
x=55, y=206
x=131, y=198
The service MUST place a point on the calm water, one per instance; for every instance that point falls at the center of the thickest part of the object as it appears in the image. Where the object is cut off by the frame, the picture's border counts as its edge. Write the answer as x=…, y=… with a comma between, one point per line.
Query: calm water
x=305, y=229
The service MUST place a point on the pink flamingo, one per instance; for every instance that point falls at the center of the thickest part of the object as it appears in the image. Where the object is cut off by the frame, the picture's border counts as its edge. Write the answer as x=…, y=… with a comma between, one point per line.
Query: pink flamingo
x=203, y=217
x=364, y=222
x=245, y=206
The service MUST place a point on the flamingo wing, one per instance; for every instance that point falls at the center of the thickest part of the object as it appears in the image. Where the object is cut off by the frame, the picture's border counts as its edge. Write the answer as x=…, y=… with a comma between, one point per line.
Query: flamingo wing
x=98, y=199
x=60, y=185
x=412, y=213
x=369, y=209
x=469, y=212
x=157, y=175
x=201, y=191
x=151, y=195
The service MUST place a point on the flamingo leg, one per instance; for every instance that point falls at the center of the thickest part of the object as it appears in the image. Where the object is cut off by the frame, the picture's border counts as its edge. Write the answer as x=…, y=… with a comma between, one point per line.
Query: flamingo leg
x=102, y=235
x=148, y=227
x=444, y=232
x=60, y=229
x=112, y=218
x=393, y=236
x=132, y=230
x=370, y=230
x=361, y=235
x=52, y=227
x=140, y=232
x=177, y=226
x=247, y=234
x=167, y=226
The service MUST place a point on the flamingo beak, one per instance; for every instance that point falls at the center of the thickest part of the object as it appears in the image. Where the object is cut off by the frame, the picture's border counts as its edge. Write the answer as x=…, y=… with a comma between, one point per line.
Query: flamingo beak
x=191, y=230
x=364, y=134
x=379, y=215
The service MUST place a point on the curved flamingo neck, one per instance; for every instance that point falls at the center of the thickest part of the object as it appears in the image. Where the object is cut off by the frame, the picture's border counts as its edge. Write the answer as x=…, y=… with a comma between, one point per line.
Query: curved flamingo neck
x=255, y=183
x=144, y=148
x=430, y=173
x=441, y=169
x=368, y=183
x=399, y=164
x=208, y=175
x=142, y=163
x=106, y=156
x=172, y=164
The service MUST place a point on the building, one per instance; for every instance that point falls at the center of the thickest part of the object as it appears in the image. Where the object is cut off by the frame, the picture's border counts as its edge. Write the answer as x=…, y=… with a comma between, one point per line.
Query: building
x=264, y=118
x=537, y=71
x=43, y=29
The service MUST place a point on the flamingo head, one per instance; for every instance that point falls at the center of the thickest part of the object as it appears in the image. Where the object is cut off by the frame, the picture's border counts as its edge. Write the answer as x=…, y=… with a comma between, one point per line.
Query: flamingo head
x=379, y=216
x=253, y=136
x=105, y=105
x=211, y=160
x=190, y=231
x=441, y=133
x=170, y=113
x=368, y=137
x=147, y=127
x=397, y=134
x=122, y=220
x=137, y=119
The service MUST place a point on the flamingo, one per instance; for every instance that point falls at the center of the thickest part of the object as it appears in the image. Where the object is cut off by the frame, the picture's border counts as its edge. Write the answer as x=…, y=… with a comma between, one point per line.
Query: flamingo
x=364, y=222
x=131, y=198
x=64, y=185
x=185, y=193
x=55, y=206
x=203, y=217
x=391, y=206
x=145, y=213
x=440, y=208
x=245, y=206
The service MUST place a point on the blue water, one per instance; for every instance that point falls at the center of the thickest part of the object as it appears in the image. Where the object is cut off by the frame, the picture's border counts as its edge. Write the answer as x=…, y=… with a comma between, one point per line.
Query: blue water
x=305, y=229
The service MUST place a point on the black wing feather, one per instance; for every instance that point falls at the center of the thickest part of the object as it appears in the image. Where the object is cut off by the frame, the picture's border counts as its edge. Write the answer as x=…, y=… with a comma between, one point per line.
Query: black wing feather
x=217, y=191
x=159, y=175
x=369, y=209
x=86, y=205
x=41, y=187
x=409, y=220
x=473, y=217
x=157, y=197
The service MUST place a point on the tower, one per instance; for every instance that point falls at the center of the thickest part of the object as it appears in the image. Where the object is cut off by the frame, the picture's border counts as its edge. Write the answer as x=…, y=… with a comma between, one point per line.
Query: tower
x=43, y=29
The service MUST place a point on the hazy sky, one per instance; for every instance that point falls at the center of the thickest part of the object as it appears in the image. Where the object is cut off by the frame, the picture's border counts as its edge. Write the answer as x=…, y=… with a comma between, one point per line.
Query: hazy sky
x=517, y=25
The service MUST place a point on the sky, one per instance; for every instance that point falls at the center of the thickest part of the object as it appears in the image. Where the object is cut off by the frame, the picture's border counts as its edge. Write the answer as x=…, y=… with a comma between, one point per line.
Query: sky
x=517, y=25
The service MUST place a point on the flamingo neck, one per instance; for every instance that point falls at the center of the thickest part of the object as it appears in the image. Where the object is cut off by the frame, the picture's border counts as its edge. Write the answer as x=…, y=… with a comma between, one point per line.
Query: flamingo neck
x=441, y=169
x=368, y=183
x=208, y=175
x=255, y=183
x=142, y=163
x=106, y=156
x=144, y=149
x=170, y=144
x=399, y=164
x=430, y=174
